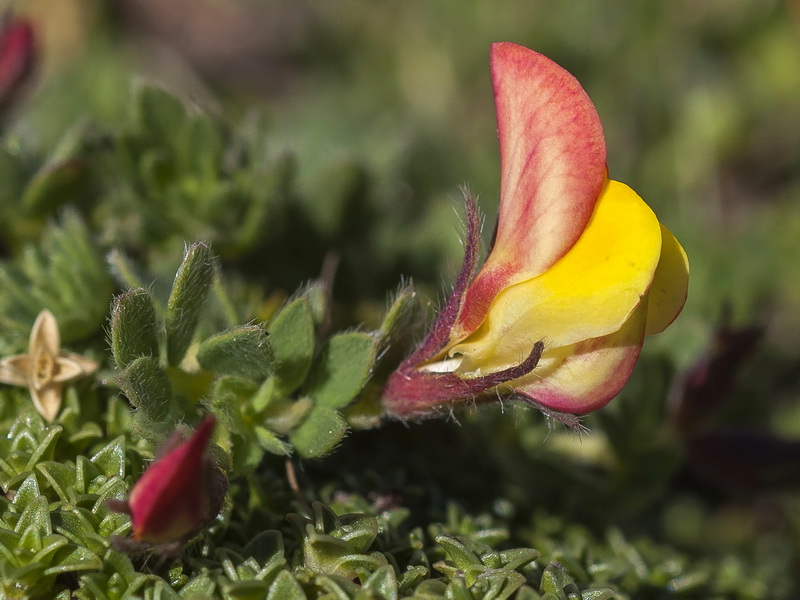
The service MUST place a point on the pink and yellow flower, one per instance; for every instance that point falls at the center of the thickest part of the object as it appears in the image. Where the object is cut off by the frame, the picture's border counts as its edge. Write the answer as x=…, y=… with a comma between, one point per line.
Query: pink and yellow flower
x=580, y=271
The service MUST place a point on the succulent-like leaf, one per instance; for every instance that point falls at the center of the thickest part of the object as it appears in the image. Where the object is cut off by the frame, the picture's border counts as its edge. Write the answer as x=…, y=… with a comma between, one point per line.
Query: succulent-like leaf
x=110, y=459
x=285, y=587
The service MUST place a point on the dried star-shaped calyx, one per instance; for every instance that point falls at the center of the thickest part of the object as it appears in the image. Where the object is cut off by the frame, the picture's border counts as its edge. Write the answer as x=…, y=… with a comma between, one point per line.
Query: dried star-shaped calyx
x=45, y=368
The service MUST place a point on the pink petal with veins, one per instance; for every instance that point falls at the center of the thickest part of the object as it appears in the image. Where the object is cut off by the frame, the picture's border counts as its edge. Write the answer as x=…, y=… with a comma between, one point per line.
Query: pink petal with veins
x=553, y=169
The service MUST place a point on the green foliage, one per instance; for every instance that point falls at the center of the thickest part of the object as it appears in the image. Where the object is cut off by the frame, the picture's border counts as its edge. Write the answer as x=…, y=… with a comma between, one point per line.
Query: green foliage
x=66, y=274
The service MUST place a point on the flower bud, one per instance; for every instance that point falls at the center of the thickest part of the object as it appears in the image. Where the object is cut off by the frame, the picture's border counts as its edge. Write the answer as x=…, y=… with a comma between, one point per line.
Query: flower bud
x=17, y=56
x=180, y=493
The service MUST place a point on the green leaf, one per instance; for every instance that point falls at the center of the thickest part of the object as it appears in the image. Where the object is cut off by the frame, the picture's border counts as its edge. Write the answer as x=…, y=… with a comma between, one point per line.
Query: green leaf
x=291, y=334
x=457, y=590
x=147, y=387
x=37, y=516
x=74, y=558
x=320, y=433
x=243, y=351
x=85, y=472
x=64, y=273
x=285, y=587
x=518, y=557
x=349, y=566
x=124, y=270
x=457, y=552
x=76, y=524
x=46, y=448
x=499, y=584
x=111, y=458
x=265, y=546
x=133, y=327
x=599, y=594
x=336, y=588
x=187, y=299
x=244, y=590
x=401, y=316
x=50, y=544
x=12, y=174
x=285, y=415
x=383, y=583
x=343, y=368
x=318, y=296
x=357, y=530
x=199, y=588
x=265, y=189
x=410, y=578
x=55, y=185
x=156, y=170
x=27, y=492
x=228, y=394
x=201, y=131
x=160, y=114
x=60, y=476
x=271, y=442
x=556, y=581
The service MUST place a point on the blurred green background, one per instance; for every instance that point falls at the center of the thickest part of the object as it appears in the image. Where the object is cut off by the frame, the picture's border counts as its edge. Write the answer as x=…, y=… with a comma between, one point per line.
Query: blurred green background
x=386, y=108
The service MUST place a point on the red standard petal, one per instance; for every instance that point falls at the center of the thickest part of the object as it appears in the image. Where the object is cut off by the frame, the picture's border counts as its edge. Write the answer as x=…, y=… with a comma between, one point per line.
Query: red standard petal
x=553, y=169
x=171, y=499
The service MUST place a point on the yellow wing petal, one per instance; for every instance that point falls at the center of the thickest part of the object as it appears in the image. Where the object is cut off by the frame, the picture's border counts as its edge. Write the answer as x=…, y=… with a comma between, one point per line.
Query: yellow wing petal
x=590, y=293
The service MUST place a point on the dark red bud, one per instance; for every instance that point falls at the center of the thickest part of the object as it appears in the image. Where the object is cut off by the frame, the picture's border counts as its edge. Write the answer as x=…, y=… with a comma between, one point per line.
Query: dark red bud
x=710, y=381
x=17, y=58
x=179, y=493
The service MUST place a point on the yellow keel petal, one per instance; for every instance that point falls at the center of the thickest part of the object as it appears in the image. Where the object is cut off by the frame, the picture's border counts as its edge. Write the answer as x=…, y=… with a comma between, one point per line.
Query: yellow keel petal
x=590, y=374
x=670, y=285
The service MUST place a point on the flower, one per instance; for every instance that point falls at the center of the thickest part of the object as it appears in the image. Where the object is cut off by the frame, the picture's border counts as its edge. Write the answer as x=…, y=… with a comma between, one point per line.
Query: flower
x=580, y=271
x=45, y=368
x=179, y=493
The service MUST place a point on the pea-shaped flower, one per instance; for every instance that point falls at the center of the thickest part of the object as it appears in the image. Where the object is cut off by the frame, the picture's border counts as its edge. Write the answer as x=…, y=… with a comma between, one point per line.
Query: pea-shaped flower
x=580, y=270
x=179, y=494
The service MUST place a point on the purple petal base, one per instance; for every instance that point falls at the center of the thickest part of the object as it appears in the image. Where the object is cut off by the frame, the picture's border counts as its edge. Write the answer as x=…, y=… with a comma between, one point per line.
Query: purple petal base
x=411, y=393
